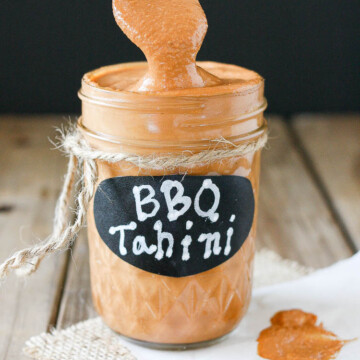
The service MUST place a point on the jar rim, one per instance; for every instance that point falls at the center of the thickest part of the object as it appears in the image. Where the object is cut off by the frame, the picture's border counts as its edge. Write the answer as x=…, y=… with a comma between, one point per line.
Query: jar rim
x=91, y=91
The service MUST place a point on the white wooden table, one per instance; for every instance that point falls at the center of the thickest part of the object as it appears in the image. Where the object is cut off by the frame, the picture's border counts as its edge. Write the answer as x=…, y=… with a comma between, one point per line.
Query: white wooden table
x=309, y=212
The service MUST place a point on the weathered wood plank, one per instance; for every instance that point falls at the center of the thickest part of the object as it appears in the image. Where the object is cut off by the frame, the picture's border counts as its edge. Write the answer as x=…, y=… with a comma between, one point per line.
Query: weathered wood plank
x=332, y=143
x=293, y=221
x=30, y=180
x=76, y=304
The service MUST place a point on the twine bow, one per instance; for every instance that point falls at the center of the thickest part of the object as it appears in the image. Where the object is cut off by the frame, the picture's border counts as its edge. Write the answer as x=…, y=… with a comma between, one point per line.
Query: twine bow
x=82, y=160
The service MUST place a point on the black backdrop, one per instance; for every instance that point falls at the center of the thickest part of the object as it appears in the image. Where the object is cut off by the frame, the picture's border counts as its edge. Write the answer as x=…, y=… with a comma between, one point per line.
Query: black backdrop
x=308, y=50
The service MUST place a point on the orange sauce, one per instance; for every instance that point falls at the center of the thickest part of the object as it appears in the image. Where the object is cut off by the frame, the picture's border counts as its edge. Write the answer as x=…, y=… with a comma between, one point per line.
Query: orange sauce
x=148, y=306
x=170, y=34
x=170, y=105
x=294, y=335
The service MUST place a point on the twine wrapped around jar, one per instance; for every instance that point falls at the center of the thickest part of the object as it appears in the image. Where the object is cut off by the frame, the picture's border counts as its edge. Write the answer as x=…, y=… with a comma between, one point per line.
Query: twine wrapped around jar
x=82, y=160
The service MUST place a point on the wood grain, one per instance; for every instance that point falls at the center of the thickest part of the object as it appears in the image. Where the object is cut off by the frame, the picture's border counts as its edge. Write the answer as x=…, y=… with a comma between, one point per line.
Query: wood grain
x=332, y=143
x=76, y=304
x=294, y=219
x=30, y=180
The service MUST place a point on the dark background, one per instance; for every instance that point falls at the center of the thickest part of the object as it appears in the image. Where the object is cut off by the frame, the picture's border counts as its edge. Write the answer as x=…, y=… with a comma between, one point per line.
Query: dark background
x=308, y=50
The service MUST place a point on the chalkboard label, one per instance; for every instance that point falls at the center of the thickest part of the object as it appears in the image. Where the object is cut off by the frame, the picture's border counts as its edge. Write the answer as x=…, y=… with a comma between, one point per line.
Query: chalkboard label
x=174, y=225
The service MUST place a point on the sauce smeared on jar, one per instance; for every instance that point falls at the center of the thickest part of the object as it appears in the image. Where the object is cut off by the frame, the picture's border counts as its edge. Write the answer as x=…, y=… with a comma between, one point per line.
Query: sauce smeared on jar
x=170, y=34
x=294, y=335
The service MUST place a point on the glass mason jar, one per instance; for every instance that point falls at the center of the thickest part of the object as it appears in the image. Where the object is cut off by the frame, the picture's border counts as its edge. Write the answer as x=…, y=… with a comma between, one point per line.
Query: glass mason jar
x=150, y=308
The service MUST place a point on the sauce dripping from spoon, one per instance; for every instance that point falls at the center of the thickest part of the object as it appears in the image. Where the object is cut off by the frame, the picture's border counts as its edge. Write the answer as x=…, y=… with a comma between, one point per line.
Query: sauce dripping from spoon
x=170, y=34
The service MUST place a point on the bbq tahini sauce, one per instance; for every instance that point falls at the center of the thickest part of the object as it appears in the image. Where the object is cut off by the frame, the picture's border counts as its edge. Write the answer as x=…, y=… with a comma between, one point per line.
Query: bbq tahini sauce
x=171, y=105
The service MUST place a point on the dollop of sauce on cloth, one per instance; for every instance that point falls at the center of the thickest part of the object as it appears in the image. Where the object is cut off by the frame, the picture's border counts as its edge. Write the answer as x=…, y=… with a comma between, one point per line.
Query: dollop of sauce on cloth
x=170, y=34
x=294, y=335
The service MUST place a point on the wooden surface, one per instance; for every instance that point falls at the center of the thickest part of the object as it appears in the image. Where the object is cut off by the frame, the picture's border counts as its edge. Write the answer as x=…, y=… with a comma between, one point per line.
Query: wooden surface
x=309, y=212
x=30, y=180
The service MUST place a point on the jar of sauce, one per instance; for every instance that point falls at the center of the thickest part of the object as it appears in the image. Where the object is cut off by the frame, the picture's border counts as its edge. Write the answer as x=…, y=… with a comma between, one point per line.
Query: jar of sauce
x=181, y=307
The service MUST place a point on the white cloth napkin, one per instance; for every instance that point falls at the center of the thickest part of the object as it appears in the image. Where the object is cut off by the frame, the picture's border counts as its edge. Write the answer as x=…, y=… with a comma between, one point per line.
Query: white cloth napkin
x=333, y=294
